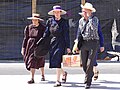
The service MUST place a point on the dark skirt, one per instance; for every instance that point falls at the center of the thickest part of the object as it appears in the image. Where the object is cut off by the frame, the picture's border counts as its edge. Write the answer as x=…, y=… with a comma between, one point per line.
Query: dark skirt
x=30, y=60
x=55, y=59
x=56, y=53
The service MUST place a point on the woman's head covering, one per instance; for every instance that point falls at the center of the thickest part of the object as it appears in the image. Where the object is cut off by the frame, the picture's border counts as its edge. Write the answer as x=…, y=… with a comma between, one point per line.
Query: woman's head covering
x=57, y=8
x=35, y=16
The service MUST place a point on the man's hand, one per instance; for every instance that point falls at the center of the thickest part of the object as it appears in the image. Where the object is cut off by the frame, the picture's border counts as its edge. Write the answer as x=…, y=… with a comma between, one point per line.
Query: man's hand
x=102, y=49
x=75, y=48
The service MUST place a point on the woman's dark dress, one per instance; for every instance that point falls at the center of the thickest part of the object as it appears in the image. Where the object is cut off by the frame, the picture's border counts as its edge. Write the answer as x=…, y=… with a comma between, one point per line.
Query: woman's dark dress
x=32, y=35
x=59, y=43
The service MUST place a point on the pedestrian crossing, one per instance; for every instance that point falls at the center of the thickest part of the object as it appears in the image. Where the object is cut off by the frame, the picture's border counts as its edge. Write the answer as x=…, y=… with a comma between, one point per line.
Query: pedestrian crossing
x=74, y=82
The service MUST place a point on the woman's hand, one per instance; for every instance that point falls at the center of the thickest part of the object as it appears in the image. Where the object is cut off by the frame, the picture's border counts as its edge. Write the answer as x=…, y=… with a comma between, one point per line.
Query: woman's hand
x=22, y=51
x=68, y=50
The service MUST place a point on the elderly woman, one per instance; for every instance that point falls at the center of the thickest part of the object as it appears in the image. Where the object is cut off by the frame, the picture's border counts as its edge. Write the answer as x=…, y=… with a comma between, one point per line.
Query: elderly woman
x=58, y=28
x=32, y=34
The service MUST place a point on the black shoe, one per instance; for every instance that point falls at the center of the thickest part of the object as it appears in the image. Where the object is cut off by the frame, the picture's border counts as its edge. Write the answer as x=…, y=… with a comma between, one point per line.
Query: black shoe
x=87, y=86
x=43, y=78
x=31, y=81
x=57, y=84
x=96, y=75
x=85, y=81
x=65, y=77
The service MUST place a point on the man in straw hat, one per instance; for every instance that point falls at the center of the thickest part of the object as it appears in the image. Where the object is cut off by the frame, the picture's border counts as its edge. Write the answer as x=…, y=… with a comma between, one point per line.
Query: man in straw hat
x=59, y=29
x=89, y=30
x=101, y=41
x=32, y=34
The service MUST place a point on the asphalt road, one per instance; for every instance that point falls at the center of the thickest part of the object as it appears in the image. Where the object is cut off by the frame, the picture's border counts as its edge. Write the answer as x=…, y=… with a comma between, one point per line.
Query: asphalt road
x=14, y=76
x=18, y=68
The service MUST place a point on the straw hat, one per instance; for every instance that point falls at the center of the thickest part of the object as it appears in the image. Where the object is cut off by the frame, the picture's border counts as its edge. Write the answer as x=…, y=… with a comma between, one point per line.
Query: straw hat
x=35, y=16
x=89, y=6
x=57, y=8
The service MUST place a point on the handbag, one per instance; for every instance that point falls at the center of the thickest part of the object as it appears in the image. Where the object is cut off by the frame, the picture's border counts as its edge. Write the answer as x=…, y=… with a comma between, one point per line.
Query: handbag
x=42, y=47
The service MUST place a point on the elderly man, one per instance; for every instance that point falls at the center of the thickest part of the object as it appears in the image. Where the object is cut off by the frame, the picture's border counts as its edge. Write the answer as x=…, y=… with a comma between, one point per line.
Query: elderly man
x=88, y=30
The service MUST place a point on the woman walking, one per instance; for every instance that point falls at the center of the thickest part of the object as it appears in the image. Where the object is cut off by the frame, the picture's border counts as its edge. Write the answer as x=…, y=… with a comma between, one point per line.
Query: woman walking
x=32, y=34
x=58, y=28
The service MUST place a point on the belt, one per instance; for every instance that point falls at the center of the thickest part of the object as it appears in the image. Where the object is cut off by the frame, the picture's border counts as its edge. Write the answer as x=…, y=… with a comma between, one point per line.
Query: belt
x=91, y=40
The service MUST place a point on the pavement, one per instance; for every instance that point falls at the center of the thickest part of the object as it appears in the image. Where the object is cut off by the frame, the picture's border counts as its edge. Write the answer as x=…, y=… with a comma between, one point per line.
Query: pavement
x=14, y=76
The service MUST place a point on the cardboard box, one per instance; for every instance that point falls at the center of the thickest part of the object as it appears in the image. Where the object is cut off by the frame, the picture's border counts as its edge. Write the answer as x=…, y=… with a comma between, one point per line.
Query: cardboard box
x=71, y=61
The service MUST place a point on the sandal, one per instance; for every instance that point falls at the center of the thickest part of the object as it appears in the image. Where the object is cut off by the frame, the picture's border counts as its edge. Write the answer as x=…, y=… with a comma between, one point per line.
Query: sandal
x=65, y=77
x=57, y=84
x=96, y=75
x=31, y=81
x=43, y=78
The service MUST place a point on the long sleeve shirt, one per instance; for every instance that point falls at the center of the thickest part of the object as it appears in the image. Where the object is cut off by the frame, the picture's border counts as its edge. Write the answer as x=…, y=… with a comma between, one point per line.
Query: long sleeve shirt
x=101, y=39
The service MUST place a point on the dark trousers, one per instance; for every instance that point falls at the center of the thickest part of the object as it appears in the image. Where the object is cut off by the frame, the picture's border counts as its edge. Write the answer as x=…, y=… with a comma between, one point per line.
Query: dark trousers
x=88, y=53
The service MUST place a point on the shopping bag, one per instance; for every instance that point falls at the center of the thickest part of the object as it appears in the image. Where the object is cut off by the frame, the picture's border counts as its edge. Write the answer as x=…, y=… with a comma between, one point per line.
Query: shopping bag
x=71, y=60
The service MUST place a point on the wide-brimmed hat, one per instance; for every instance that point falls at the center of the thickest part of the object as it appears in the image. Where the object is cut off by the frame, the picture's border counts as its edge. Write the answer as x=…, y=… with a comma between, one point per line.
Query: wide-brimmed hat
x=35, y=16
x=56, y=8
x=89, y=6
